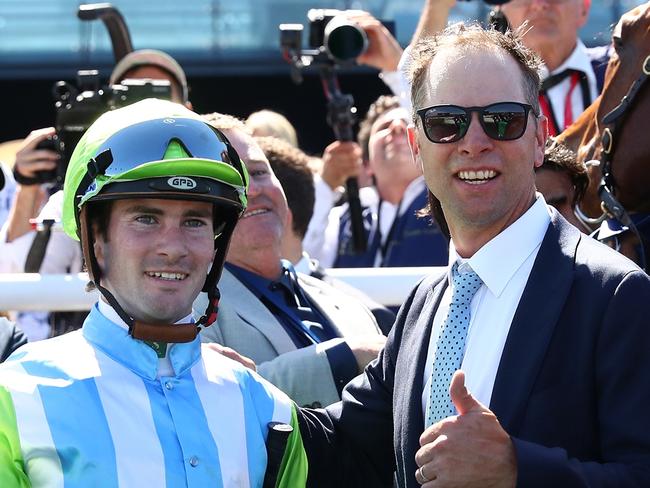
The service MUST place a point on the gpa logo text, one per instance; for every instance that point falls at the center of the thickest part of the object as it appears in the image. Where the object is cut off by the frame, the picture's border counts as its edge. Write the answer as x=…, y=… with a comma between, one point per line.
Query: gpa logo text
x=181, y=183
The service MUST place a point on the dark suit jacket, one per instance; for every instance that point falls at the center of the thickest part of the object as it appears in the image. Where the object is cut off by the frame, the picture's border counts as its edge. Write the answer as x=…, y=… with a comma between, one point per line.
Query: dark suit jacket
x=572, y=388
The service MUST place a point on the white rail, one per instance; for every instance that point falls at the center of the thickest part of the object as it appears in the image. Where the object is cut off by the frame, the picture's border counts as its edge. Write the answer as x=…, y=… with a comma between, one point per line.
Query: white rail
x=26, y=291
x=33, y=291
x=388, y=286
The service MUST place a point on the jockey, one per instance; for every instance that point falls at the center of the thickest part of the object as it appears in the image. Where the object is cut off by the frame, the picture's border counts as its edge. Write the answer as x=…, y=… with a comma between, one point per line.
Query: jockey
x=132, y=399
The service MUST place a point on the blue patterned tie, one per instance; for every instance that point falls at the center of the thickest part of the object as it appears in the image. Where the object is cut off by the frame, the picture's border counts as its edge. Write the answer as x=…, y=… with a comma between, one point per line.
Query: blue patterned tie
x=450, y=345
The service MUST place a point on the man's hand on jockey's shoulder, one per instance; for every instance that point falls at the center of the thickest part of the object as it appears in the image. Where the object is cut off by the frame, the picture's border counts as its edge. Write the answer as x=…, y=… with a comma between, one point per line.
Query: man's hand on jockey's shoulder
x=232, y=354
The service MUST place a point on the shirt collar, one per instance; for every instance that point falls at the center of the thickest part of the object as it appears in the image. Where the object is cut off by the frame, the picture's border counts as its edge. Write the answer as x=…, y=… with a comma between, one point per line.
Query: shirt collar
x=578, y=60
x=498, y=260
x=304, y=265
x=411, y=192
x=249, y=278
x=108, y=332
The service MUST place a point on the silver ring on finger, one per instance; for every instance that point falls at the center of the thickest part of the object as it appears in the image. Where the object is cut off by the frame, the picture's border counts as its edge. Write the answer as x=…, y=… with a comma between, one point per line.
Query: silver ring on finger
x=421, y=473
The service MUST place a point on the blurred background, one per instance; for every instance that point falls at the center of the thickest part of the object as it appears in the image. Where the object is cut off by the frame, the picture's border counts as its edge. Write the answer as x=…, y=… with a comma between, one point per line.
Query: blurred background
x=228, y=48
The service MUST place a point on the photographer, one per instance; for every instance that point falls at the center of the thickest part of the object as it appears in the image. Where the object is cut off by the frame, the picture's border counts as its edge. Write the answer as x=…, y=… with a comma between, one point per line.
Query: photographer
x=59, y=253
x=345, y=159
x=396, y=236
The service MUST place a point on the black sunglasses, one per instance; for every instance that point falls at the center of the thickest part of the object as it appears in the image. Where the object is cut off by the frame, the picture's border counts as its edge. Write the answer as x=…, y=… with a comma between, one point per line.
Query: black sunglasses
x=503, y=121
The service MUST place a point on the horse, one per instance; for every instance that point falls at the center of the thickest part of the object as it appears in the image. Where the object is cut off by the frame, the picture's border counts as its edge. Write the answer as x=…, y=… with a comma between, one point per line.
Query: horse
x=613, y=129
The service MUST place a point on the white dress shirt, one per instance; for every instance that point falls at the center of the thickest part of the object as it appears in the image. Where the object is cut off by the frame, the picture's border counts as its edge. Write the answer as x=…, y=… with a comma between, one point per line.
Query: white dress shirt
x=578, y=60
x=324, y=200
x=503, y=264
x=6, y=193
x=397, y=80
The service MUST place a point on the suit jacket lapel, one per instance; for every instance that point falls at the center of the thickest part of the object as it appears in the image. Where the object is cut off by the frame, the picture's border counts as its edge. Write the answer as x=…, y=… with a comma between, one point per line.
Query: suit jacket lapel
x=317, y=298
x=534, y=322
x=408, y=417
x=252, y=311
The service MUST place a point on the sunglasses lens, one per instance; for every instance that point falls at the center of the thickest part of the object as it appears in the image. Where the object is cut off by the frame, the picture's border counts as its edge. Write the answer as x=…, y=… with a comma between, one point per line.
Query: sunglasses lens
x=445, y=124
x=504, y=121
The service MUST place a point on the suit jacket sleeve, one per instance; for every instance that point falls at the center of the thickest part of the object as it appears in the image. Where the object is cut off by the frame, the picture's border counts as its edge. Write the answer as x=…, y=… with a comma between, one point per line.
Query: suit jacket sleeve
x=303, y=374
x=622, y=375
x=350, y=443
x=246, y=325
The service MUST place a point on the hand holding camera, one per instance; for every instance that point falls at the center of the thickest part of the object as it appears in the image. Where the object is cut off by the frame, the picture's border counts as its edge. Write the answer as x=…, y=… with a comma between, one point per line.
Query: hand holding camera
x=383, y=51
x=36, y=155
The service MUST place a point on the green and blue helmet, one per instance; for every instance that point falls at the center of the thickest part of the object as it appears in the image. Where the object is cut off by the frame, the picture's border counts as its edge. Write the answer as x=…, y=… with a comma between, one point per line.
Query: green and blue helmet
x=154, y=149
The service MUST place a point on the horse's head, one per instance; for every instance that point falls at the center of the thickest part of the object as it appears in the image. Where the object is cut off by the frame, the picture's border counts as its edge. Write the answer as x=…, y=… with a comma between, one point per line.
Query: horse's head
x=631, y=151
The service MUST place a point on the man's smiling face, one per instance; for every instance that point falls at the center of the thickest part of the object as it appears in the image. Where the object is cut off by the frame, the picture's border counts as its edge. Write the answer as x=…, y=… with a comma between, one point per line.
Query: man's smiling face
x=483, y=184
x=258, y=234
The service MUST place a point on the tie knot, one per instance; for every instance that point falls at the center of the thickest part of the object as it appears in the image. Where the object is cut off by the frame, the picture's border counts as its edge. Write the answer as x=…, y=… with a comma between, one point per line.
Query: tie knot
x=464, y=286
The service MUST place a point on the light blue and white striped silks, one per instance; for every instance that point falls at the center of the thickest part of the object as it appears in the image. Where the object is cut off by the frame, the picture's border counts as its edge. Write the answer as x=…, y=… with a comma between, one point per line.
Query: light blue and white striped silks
x=86, y=409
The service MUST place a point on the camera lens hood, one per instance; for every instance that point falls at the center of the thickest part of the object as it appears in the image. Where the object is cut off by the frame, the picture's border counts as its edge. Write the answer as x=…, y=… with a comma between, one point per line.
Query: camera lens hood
x=344, y=40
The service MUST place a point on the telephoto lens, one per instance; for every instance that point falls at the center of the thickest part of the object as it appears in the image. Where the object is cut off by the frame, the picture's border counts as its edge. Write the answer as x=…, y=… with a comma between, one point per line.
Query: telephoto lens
x=344, y=40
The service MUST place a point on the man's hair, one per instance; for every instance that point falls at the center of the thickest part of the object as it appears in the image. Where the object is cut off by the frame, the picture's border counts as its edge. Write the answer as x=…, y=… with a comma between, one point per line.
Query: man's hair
x=558, y=157
x=383, y=104
x=225, y=122
x=473, y=37
x=270, y=123
x=291, y=166
x=469, y=37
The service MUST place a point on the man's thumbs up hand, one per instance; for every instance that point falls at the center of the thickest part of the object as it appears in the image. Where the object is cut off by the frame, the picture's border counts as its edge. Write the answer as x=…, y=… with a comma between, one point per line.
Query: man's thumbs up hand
x=462, y=398
x=470, y=449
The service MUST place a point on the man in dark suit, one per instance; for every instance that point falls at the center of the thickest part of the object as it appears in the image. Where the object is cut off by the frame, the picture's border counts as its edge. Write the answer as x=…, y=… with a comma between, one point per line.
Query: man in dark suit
x=548, y=332
x=306, y=337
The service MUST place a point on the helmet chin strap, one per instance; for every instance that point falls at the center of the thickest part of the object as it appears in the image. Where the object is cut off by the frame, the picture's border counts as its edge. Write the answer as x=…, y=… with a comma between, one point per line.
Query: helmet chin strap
x=151, y=332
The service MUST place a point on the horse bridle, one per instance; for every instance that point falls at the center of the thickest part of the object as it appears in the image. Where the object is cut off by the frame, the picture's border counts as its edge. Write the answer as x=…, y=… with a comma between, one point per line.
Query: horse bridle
x=613, y=122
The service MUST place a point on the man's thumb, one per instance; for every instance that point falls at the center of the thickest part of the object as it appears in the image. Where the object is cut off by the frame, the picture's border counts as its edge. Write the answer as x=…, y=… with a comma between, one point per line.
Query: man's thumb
x=463, y=399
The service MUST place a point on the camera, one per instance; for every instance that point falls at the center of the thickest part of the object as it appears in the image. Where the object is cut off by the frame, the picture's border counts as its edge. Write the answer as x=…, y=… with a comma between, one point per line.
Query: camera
x=342, y=40
x=77, y=107
x=333, y=39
